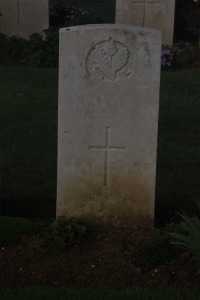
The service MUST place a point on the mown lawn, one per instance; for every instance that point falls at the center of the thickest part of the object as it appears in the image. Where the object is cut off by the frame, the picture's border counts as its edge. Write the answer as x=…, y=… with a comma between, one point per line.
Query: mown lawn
x=178, y=168
x=28, y=130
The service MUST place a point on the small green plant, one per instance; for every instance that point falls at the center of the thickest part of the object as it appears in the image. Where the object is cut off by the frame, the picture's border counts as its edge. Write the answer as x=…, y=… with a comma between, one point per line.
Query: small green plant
x=41, y=50
x=185, y=53
x=64, y=232
x=11, y=230
x=188, y=234
x=12, y=46
x=3, y=41
x=179, y=55
x=154, y=252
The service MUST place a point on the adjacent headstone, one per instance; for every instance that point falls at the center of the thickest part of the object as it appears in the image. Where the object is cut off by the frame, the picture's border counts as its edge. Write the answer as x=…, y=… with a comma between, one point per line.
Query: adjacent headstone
x=107, y=123
x=158, y=14
x=23, y=17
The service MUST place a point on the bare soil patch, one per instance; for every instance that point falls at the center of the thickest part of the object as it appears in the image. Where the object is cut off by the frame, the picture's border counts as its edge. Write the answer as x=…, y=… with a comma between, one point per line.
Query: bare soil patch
x=105, y=259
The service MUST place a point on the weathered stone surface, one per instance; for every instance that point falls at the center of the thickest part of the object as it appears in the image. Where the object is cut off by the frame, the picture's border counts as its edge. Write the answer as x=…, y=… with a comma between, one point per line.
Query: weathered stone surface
x=23, y=17
x=158, y=14
x=107, y=123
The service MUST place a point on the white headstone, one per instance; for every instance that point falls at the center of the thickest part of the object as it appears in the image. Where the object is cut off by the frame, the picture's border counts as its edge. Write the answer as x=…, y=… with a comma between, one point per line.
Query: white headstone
x=107, y=123
x=23, y=17
x=158, y=14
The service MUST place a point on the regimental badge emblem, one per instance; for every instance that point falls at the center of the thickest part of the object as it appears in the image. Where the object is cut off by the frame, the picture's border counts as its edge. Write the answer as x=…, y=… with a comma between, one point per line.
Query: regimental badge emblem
x=108, y=62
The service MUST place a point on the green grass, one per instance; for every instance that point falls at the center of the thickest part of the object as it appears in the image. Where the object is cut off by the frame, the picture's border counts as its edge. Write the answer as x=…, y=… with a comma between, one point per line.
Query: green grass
x=178, y=168
x=28, y=130
x=96, y=294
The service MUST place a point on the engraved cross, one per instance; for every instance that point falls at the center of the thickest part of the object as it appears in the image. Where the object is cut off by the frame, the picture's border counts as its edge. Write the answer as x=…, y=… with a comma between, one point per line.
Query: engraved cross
x=107, y=148
x=145, y=2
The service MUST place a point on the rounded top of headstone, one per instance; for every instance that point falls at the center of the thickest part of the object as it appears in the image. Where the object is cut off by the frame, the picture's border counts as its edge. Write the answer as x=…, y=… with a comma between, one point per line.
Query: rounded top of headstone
x=112, y=27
